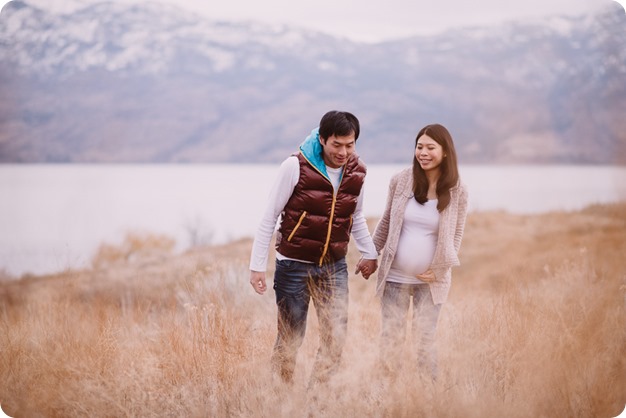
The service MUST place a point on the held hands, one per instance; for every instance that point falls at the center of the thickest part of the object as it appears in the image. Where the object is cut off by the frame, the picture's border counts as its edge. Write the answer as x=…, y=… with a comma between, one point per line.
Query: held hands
x=366, y=267
x=257, y=280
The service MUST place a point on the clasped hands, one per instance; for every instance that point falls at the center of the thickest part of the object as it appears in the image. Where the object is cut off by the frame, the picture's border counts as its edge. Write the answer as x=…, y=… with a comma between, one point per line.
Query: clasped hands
x=366, y=267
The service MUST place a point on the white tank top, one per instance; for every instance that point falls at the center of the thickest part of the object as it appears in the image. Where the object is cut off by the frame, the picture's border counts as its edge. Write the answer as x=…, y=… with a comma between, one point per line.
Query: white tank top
x=417, y=243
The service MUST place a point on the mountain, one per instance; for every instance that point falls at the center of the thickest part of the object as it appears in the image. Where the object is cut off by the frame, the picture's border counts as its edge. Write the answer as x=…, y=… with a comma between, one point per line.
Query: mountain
x=151, y=83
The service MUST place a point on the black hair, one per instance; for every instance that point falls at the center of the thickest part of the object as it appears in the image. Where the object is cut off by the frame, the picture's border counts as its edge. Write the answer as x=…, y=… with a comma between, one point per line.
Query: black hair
x=339, y=123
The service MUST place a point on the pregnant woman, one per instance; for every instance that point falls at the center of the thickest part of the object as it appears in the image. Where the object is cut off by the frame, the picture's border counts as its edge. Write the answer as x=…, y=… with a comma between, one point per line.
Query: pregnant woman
x=420, y=235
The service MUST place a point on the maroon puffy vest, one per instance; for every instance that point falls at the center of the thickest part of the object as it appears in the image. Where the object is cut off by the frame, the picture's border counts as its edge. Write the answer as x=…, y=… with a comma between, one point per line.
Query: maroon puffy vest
x=316, y=223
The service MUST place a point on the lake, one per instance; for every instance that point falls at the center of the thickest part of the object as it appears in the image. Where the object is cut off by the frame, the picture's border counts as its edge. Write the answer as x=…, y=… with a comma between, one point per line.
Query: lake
x=54, y=217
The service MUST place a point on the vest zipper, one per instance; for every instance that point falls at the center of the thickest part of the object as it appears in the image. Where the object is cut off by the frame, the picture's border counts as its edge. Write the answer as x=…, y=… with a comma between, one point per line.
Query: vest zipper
x=332, y=215
x=297, y=226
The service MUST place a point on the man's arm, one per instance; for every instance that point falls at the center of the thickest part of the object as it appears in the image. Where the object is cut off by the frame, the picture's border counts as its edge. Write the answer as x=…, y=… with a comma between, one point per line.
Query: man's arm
x=369, y=256
x=281, y=191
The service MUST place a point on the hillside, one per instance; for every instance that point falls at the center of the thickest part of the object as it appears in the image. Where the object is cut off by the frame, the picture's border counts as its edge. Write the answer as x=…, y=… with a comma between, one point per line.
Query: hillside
x=149, y=83
x=534, y=326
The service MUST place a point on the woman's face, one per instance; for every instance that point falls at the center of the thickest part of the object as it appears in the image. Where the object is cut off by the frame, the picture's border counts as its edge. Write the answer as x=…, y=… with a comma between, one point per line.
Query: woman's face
x=429, y=153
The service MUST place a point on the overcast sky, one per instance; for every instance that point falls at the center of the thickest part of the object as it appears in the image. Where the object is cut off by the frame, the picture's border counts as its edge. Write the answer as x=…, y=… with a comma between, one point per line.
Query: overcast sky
x=371, y=20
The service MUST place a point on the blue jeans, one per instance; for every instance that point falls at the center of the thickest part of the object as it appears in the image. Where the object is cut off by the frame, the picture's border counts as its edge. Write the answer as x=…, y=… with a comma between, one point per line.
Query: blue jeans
x=296, y=284
x=395, y=306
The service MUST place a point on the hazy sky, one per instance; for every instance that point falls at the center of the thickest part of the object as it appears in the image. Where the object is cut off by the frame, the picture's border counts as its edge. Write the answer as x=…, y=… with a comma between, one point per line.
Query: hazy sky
x=370, y=20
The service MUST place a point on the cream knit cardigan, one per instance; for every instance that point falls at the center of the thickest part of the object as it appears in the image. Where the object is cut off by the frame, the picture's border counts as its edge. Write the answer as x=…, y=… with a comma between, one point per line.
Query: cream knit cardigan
x=451, y=226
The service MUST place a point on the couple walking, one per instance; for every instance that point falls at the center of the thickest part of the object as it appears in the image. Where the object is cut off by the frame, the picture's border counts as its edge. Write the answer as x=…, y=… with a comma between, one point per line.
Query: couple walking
x=318, y=196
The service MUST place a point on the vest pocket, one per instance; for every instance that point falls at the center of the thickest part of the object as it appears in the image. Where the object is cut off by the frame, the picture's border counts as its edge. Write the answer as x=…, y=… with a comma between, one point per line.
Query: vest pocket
x=295, y=228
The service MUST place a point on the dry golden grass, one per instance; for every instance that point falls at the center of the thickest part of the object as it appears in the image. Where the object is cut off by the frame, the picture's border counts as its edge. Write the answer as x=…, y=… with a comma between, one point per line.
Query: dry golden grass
x=535, y=327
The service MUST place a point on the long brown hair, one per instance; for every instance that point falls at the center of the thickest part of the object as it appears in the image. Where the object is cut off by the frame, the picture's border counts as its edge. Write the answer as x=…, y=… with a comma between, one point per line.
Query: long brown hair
x=449, y=171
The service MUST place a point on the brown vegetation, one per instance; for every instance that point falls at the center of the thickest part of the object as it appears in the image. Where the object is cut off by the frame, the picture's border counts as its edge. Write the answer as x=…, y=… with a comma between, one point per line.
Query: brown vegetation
x=535, y=327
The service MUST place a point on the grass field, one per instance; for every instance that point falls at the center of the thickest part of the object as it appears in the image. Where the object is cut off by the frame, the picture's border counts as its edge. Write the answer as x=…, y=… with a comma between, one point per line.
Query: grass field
x=535, y=326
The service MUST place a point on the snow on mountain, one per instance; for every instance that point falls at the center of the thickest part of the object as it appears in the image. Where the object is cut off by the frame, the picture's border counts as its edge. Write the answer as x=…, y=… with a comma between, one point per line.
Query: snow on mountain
x=154, y=83
x=147, y=38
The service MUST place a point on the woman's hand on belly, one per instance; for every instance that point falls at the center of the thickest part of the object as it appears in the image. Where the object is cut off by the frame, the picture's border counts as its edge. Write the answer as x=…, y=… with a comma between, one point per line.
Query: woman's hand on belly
x=428, y=276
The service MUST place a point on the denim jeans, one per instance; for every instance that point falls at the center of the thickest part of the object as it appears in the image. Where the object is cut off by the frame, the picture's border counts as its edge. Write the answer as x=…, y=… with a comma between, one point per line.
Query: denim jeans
x=296, y=284
x=395, y=306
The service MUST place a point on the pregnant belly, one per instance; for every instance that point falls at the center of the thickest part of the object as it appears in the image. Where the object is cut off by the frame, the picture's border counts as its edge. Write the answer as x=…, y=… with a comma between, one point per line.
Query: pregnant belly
x=414, y=256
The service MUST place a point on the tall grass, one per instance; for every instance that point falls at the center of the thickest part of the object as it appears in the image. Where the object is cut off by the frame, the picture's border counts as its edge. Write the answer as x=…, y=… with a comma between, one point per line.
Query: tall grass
x=535, y=327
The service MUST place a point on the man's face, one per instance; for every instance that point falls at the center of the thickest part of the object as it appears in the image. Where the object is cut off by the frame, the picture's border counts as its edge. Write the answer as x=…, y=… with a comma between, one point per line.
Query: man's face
x=338, y=149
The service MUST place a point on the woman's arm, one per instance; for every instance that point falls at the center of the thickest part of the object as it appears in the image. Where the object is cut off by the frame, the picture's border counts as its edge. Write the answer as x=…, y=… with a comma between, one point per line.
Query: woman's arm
x=382, y=229
x=460, y=219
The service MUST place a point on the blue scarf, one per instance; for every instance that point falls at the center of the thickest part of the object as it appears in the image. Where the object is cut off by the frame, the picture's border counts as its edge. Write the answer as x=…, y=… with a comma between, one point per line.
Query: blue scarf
x=313, y=152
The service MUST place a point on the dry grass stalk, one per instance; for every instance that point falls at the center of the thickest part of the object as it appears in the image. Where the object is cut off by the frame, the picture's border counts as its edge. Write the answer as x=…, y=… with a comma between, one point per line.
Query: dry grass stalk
x=535, y=326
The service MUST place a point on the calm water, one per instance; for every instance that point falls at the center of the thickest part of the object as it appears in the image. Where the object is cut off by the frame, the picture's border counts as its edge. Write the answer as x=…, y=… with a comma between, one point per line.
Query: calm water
x=54, y=217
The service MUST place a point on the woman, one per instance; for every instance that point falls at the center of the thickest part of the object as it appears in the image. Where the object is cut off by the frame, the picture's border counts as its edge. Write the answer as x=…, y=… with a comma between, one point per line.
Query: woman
x=419, y=234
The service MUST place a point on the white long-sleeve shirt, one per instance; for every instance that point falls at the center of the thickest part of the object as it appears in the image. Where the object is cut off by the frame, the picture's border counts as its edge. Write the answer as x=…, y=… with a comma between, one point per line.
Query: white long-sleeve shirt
x=288, y=175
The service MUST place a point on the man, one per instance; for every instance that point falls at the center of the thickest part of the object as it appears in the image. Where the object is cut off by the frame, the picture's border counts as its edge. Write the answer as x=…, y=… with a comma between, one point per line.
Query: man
x=319, y=196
